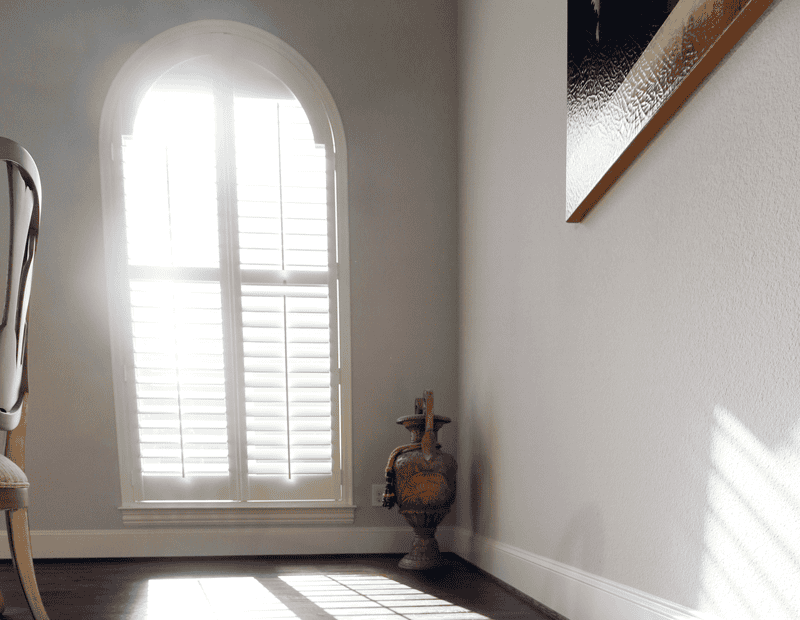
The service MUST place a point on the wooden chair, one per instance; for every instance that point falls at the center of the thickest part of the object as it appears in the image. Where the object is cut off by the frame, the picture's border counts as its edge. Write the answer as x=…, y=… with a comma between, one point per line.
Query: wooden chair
x=24, y=201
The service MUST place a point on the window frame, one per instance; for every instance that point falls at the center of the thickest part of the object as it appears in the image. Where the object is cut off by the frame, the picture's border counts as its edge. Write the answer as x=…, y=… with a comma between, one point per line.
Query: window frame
x=221, y=38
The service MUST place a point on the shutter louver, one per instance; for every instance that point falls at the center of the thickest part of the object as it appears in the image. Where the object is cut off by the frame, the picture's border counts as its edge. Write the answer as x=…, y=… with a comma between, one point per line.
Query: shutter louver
x=283, y=225
x=170, y=182
x=180, y=380
x=287, y=364
x=281, y=177
x=171, y=214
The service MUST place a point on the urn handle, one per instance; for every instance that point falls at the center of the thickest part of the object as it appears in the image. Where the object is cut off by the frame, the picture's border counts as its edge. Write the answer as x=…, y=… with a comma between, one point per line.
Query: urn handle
x=429, y=438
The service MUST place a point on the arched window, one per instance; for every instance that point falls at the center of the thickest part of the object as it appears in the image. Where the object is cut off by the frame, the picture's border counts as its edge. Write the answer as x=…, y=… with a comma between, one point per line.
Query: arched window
x=224, y=193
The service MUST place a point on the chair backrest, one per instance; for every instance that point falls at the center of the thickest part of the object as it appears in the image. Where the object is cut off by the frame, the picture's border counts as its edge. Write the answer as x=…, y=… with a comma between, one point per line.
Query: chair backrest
x=25, y=208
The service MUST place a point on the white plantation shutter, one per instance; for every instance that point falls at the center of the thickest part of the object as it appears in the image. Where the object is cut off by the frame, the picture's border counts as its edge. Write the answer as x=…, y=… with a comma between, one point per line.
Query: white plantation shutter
x=287, y=380
x=281, y=176
x=233, y=298
x=287, y=372
x=180, y=380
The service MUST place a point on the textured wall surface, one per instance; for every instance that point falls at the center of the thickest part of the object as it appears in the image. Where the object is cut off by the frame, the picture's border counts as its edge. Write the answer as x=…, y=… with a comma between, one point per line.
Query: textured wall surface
x=629, y=392
x=391, y=69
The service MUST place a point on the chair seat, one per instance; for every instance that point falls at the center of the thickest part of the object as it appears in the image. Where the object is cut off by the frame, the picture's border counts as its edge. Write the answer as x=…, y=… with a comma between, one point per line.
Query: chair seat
x=11, y=476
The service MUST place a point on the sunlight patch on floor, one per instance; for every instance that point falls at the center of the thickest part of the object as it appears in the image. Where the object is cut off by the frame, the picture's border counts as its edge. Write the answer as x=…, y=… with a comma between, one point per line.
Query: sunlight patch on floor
x=373, y=597
x=242, y=598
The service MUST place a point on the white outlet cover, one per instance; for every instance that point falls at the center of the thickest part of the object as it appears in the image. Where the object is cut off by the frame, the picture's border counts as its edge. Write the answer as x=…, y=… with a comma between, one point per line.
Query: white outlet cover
x=377, y=494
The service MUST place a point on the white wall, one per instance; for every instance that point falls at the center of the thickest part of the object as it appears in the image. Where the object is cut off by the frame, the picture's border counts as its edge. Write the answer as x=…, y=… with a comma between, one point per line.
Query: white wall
x=629, y=385
x=391, y=69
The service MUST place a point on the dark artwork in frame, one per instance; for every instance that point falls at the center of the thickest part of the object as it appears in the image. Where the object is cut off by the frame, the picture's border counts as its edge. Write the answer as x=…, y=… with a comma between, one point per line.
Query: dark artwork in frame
x=631, y=64
x=601, y=53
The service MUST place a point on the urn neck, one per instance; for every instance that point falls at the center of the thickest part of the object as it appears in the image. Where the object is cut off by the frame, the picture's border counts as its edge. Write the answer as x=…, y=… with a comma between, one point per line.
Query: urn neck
x=416, y=425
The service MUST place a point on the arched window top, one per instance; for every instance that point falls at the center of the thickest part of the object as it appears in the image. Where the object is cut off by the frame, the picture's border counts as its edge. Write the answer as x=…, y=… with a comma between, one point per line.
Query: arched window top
x=234, y=53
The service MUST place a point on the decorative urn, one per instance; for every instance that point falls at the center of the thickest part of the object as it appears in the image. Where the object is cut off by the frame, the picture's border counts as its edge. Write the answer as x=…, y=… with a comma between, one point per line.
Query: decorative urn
x=421, y=480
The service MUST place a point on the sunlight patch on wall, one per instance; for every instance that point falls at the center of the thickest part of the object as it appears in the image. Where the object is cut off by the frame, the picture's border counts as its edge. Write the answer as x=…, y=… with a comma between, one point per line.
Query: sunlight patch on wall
x=751, y=562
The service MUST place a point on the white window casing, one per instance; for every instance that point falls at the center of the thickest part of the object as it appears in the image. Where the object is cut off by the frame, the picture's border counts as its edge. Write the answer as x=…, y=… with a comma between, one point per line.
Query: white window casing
x=223, y=168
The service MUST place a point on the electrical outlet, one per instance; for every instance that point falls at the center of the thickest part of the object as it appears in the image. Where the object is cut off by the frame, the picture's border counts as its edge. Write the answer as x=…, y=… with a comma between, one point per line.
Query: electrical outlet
x=377, y=494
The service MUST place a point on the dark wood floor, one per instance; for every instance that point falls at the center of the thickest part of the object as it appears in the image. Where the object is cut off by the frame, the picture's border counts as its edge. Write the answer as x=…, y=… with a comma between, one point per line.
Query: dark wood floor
x=363, y=587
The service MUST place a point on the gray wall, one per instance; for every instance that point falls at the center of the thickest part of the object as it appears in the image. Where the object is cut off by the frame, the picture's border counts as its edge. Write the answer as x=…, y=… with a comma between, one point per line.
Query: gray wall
x=390, y=66
x=629, y=385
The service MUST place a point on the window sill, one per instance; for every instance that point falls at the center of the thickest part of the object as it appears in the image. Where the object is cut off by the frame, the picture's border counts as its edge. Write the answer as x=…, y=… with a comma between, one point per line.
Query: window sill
x=161, y=513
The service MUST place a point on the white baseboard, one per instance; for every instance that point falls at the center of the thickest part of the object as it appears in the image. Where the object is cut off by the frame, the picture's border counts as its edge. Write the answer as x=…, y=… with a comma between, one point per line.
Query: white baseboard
x=219, y=541
x=573, y=593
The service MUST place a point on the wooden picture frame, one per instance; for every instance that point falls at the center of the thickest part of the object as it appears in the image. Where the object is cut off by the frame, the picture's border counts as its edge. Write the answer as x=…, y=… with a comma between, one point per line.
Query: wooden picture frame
x=692, y=40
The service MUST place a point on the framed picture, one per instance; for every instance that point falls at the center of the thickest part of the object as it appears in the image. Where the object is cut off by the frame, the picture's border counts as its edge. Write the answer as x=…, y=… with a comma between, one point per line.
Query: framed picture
x=631, y=65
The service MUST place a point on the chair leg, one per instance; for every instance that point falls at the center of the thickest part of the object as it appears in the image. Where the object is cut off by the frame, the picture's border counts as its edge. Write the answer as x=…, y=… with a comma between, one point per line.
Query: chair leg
x=19, y=541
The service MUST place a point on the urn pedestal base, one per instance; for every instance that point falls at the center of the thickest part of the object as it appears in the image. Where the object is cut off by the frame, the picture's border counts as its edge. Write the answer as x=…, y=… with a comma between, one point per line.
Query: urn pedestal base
x=425, y=552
